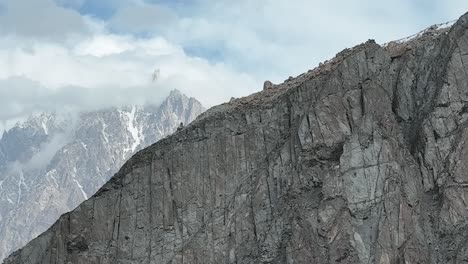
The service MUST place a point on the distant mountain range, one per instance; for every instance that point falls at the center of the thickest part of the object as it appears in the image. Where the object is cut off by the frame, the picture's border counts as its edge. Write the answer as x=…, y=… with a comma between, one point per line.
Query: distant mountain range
x=53, y=161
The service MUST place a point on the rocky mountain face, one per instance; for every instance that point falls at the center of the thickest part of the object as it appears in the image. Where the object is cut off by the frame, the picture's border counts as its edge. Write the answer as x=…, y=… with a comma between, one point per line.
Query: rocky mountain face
x=361, y=160
x=52, y=162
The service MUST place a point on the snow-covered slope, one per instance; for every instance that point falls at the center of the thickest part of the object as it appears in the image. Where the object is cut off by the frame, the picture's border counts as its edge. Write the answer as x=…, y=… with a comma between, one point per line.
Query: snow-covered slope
x=433, y=30
x=51, y=163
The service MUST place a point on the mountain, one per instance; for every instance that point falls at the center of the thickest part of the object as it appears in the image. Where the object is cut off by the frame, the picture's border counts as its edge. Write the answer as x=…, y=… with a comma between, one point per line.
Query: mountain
x=53, y=162
x=361, y=160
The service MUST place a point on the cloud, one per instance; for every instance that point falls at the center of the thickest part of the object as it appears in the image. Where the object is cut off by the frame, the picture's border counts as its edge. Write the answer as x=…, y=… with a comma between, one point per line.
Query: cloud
x=142, y=18
x=76, y=4
x=46, y=152
x=107, y=70
x=40, y=160
x=24, y=96
x=41, y=19
x=90, y=54
x=99, y=69
x=273, y=39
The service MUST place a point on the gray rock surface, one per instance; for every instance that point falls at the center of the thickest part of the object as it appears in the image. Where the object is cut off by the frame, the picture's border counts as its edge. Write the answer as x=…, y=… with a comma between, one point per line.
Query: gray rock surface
x=54, y=162
x=361, y=160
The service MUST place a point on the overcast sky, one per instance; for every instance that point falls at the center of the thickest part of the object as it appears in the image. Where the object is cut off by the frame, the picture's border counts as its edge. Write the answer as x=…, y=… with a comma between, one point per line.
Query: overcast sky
x=84, y=54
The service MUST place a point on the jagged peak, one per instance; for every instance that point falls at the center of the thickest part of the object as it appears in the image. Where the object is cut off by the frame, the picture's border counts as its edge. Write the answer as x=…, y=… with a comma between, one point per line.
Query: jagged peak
x=176, y=96
x=176, y=93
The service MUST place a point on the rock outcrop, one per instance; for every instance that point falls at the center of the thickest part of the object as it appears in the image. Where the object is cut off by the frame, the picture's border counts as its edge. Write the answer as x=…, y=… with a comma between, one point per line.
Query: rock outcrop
x=362, y=160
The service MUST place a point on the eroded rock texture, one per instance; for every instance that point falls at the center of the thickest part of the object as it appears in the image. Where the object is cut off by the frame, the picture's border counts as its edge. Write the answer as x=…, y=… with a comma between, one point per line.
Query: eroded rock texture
x=362, y=160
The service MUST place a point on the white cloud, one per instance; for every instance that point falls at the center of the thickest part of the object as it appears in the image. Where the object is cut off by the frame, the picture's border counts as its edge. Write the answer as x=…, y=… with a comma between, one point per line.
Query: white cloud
x=273, y=39
x=46, y=152
x=208, y=49
x=41, y=19
x=53, y=77
x=100, y=69
x=142, y=17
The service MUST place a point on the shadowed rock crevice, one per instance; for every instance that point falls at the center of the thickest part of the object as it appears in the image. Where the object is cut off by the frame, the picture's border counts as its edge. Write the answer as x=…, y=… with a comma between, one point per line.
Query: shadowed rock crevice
x=77, y=245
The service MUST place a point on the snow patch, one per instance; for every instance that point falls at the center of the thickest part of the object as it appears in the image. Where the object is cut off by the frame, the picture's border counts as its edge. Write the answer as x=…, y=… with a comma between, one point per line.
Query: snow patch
x=103, y=131
x=135, y=132
x=84, y=145
x=50, y=174
x=81, y=189
x=44, y=127
x=435, y=27
x=445, y=25
x=21, y=182
x=160, y=131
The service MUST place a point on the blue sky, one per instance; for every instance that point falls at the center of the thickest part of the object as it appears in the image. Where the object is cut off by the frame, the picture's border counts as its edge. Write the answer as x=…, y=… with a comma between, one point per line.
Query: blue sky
x=213, y=50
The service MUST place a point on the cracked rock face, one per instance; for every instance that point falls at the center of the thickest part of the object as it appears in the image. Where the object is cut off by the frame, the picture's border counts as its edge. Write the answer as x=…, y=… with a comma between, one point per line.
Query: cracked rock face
x=362, y=160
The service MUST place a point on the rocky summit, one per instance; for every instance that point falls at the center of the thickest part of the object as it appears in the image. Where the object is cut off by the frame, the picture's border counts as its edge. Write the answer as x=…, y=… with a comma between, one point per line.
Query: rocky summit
x=361, y=160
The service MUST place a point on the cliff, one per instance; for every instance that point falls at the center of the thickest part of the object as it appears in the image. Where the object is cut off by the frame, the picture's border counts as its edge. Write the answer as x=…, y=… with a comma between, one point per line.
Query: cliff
x=362, y=160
